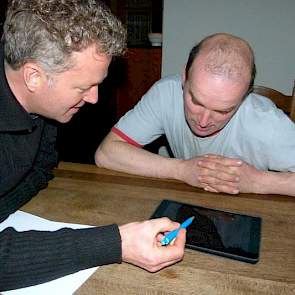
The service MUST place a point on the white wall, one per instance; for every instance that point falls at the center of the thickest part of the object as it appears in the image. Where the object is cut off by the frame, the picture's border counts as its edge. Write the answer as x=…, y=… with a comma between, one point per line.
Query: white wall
x=268, y=25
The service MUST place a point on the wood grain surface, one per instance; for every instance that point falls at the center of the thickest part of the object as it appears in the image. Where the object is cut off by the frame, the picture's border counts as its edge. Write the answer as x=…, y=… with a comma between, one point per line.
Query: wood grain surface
x=90, y=195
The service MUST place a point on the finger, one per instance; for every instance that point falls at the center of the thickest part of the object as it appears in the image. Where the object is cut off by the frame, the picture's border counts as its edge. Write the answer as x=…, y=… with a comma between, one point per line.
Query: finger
x=212, y=165
x=214, y=181
x=174, y=251
x=218, y=166
x=180, y=239
x=226, y=161
x=159, y=237
x=223, y=188
x=163, y=224
x=171, y=253
x=228, y=189
x=208, y=188
x=213, y=184
x=163, y=265
x=217, y=177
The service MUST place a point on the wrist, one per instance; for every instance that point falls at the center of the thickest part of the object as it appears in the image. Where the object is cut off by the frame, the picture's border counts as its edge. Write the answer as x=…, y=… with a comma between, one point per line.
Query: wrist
x=124, y=240
x=129, y=233
x=177, y=170
x=262, y=183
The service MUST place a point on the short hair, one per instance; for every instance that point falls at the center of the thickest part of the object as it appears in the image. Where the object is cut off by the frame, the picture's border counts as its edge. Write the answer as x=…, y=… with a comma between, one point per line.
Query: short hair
x=49, y=31
x=198, y=48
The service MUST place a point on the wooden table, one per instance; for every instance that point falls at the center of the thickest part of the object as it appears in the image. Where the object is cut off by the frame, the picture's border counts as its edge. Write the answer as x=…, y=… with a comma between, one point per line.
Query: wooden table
x=89, y=195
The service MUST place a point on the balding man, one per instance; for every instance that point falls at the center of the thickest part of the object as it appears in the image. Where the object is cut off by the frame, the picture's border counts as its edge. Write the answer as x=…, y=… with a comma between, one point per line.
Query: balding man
x=223, y=137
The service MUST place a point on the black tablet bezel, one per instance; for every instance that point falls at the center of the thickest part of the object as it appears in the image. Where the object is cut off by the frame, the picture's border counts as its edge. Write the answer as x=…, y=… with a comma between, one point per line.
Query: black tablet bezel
x=256, y=236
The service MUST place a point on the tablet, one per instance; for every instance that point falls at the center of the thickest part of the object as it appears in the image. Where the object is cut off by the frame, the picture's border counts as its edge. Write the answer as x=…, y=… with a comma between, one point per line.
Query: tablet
x=223, y=233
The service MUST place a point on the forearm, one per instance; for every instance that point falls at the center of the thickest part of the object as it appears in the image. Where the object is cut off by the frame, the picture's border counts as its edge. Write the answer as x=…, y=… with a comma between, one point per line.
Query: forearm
x=22, y=193
x=282, y=183
x=124, y=157
x=34, y=257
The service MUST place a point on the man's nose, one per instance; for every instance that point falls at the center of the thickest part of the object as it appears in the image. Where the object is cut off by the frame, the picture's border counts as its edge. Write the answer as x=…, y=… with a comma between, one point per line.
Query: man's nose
x=92, y=95
x=204, y=117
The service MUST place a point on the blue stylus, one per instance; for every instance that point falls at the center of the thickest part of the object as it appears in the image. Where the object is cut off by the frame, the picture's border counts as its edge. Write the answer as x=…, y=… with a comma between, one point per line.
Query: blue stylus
x=172, y=235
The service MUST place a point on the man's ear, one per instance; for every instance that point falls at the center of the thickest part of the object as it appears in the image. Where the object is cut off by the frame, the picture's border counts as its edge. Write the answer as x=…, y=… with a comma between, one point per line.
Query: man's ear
x=33, y=76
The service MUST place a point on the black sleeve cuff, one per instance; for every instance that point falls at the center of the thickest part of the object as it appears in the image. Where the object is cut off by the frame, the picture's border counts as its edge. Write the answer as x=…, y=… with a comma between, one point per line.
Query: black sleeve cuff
x=98, y=246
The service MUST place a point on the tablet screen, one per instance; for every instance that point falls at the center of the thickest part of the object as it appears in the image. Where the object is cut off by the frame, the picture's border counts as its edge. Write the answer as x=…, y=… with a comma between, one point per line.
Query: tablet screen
x=219, y=232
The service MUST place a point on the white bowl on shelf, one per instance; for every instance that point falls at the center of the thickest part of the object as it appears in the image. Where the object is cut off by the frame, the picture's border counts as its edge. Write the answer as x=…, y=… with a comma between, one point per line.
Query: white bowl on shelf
x=155, y=39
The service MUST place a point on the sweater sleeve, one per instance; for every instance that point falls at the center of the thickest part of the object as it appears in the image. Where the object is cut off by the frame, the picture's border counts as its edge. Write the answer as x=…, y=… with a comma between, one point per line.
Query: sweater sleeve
x=34, y=257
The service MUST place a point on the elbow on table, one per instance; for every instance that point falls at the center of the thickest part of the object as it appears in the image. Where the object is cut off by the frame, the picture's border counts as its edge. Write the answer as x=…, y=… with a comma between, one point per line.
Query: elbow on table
x=100, y=157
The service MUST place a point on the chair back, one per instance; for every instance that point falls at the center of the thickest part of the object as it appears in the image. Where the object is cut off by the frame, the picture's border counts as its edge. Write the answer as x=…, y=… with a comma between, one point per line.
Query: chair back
x=282, y=101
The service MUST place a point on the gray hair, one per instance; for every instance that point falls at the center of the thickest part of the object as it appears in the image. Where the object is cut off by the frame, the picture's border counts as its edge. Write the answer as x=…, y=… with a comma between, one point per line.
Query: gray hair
x=49, y=31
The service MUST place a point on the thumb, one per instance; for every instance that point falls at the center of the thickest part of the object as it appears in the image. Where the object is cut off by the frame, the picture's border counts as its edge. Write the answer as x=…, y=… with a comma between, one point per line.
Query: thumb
x=181, y=238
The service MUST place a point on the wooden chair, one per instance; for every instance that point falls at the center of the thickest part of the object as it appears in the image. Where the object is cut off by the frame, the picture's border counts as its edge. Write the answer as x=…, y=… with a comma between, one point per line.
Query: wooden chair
x=283, y=101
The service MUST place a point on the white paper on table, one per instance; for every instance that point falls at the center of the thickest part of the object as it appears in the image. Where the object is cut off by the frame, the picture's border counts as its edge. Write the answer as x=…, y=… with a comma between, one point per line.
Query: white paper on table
x=22, y=221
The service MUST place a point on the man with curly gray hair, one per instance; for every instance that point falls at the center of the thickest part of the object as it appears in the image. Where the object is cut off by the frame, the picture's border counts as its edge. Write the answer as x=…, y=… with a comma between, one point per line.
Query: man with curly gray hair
x=53, y=56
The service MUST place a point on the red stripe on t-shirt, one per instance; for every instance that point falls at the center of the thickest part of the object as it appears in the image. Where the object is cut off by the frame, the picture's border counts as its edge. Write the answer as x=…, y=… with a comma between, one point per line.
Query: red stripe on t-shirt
x=126, y=137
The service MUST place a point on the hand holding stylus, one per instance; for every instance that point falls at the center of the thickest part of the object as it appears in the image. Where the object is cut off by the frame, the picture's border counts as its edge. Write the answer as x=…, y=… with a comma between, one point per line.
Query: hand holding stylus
x=172, y=235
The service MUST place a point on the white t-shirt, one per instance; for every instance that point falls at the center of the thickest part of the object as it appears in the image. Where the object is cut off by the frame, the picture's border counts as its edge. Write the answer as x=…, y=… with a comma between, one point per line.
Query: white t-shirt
x=259, y=133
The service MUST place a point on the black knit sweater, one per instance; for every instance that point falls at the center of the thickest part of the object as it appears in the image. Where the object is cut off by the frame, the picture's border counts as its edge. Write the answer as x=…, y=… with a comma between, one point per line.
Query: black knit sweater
x=27, y=157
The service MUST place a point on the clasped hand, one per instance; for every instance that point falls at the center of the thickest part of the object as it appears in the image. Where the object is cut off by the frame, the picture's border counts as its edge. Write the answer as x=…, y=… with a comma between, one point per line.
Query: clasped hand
x=217, y=173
